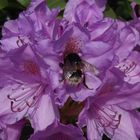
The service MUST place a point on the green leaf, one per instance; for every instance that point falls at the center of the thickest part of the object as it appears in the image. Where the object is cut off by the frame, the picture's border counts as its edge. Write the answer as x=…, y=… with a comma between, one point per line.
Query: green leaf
x=110, y=13
x=124, y=9
x=3, y=4
x=56, y=3
x=121, y=8
x=137, y=1
x=24, y=3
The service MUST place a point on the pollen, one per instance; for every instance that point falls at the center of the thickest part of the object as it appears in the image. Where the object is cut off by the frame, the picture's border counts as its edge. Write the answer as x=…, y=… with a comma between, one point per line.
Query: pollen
x=72, y=46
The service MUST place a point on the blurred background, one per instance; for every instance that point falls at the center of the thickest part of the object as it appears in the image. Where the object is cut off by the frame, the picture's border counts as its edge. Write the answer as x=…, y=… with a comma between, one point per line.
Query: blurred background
x=10, y=9
x=120, y=9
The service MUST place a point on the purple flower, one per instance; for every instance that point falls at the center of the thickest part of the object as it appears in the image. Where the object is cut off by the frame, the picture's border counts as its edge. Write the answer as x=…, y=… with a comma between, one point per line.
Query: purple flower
x=109, y=111
x=35, y=25
x=45, y=60
x=128, y=39
x=28, y=81
x=70, y=45
x=86, y=12
x=105, y=42
x=131, y=67
x=26, y=90
x=59, y=131
x=127, y=54
x=89, y=47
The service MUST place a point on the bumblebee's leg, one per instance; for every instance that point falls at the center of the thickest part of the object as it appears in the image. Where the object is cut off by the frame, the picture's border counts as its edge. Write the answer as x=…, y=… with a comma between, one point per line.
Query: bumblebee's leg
x=61, y=65
x=62, y=78
x=84, y=82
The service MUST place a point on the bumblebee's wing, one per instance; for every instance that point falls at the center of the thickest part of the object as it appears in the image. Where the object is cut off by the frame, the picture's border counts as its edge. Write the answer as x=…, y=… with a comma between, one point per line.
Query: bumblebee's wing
x=89, y=67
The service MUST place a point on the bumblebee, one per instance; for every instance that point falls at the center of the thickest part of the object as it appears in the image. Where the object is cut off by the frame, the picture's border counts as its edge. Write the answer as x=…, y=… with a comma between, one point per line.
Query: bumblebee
x=74, y=68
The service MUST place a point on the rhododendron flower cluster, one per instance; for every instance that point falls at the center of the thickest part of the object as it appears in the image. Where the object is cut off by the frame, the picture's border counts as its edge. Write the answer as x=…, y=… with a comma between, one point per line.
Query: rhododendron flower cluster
x=73, y=78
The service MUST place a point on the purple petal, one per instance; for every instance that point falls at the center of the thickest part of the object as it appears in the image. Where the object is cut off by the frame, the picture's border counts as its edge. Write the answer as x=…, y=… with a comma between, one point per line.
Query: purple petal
x=59, y=132
x=92, y=81
x=135, y=117
x=105, y=60
x=131, y=67
x=92, y=132
x=125, y=129
x=92, y=13
x=44, y=115
x=96, y=48
x=129, y=38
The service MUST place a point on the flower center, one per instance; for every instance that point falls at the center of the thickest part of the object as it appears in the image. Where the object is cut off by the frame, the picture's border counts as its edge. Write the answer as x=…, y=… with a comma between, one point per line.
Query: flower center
x=31, y=67
x=72, y=46
x=107, y=88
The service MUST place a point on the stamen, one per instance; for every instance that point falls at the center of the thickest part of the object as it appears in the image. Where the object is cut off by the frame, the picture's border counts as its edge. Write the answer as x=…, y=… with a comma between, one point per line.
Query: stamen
x=106, y=118
x=127, y=66
x=23, y=92
x=130, y=67
x=16, y=108
x=26, y=98
x=20, y=42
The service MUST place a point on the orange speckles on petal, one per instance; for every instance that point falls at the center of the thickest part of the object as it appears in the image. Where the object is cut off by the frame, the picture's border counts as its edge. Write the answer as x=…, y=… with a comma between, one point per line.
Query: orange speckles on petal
x=72, y=46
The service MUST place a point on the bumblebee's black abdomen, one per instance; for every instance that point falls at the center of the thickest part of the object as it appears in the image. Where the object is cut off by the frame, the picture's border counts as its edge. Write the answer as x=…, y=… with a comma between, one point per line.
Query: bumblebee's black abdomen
x=72, y=69
x=72, y=58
